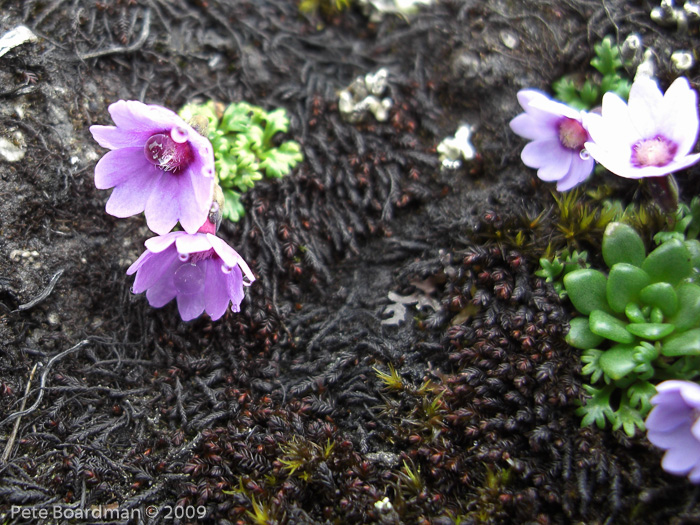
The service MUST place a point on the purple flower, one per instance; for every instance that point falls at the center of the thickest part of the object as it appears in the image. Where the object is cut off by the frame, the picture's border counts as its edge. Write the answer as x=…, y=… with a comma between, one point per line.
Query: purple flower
x=558, y=135
x=158, y=164
x=650, y=136
x=200, y=270
x=674, y=425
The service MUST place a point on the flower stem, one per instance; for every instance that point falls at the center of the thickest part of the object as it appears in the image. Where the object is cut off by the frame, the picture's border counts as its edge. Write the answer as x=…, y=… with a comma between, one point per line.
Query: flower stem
x=664, y=190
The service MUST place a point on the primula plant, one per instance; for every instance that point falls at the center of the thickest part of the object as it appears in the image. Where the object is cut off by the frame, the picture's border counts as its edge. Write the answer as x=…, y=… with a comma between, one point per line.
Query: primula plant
x=639, y=324
x=161, y=164
x=243, y=138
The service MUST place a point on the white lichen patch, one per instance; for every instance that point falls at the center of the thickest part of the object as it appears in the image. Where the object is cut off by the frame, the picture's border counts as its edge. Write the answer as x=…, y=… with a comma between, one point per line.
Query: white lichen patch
x=13, y=150
x=377, y=9
x=16, y=37
x=364, y=96
x=453, y=150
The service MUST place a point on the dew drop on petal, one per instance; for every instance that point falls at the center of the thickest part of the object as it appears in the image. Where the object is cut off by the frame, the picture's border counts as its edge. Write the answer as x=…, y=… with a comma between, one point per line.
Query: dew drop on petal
x=584, y=154
x=226, y=268
x=179, y=135
x=184, y=257
x=188, y=279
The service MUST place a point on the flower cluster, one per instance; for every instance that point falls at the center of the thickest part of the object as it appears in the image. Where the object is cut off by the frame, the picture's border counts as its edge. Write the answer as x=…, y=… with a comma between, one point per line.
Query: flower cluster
x=160, y=165
x=652, y=135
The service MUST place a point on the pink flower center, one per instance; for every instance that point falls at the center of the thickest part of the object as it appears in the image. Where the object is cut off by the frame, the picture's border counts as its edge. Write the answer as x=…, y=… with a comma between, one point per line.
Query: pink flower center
x=572, y=135
x=169, y=152
x=657, y=151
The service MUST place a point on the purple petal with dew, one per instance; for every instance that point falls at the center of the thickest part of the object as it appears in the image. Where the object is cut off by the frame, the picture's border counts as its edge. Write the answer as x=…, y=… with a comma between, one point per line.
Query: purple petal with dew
x=228, y=255
x=161, y=242
x=664, y=418
x=216, y=296
x=532, y=129
x=191, y=306
x=154, y=269
x=613, y=160
x=143, y=118
x=234, y=282
x=193, y=208
x=112, y=137
x=115, y=167
x=557, y=167
x=538, y=153
x=193, y=243
x=129, y=198
x=644, y=105
x=680, y=459
x=678, y=118
x=579, y=171
x=163, y=205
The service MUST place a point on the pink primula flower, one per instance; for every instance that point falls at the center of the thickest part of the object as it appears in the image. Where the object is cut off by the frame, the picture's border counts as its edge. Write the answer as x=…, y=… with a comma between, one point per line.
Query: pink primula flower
x=158, y=164
x=201, y=271
x=558, y=136
x=650, y=136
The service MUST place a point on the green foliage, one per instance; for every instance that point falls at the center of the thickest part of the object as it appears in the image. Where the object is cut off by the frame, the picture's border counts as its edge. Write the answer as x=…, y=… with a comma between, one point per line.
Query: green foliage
x=640, y=323
x=562, y=263
x=587, y=93
x=244, y=151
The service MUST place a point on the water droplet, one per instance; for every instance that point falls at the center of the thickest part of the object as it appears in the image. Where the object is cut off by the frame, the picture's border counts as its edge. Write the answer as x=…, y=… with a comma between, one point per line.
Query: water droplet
x=584, y=154
x=179, y=135
x=184, y=257
x=188, y=279
x=226, y=268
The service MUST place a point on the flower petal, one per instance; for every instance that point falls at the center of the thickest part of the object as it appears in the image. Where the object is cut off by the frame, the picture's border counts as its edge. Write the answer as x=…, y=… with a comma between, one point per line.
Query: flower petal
x=163, y=204
x=118, y=165
x=144, y=119
x=129, y=198
x=112, y=137
x=538, y=153
x=154, y=269
x=161, y=242
x=579, y=171
x=234, y=282
x=197, y=242
x=216, y=296
x=191, y=306
x=533, y=129
x=678, y=117
x=667, y=417
x=683, y=456
x=196, y=194
x=645, y=106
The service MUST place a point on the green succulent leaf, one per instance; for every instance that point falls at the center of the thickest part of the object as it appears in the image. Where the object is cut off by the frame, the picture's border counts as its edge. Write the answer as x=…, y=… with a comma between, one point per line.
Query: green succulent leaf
x=580, y=335
x=682, y=344
x=605, y=325
x=688, y=313
x=662, y=296
x=669, y=263
x=618, y=361
x=622, y=244
x=587, y=290
x=650, y=331
x=625, y=281
x=634, y=313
